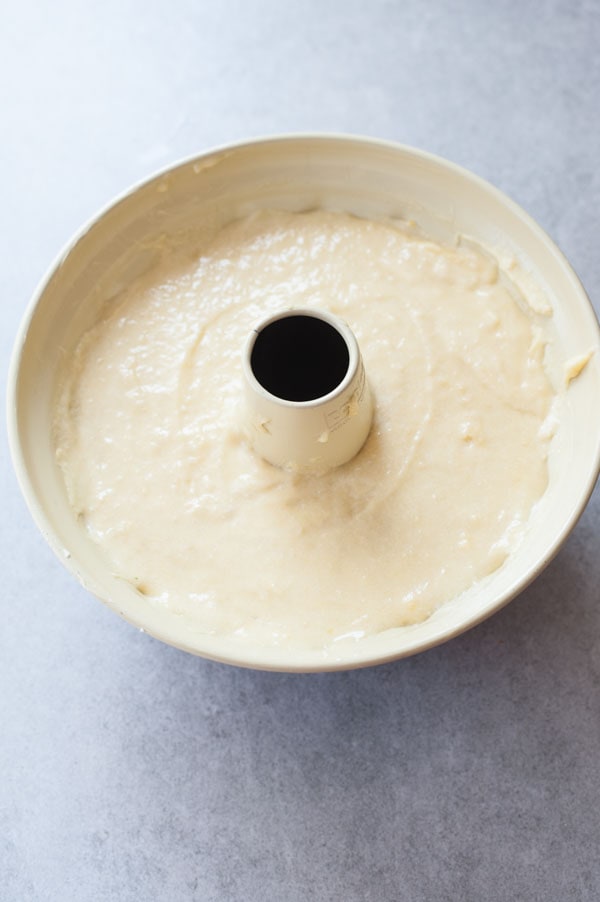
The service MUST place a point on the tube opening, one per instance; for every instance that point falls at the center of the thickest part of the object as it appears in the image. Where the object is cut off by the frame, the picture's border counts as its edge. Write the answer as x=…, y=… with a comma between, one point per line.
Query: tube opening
x=299, y=357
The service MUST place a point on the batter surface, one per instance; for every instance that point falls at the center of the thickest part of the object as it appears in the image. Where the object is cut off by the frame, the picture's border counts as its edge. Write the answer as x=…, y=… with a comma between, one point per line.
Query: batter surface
x=149, y=437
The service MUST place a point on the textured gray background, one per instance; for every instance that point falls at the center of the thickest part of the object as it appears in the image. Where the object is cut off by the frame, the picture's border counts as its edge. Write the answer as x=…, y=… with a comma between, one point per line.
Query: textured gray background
x=130, y=771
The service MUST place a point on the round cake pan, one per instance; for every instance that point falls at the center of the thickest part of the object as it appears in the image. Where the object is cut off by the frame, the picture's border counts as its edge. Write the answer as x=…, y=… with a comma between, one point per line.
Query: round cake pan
x=365, y=177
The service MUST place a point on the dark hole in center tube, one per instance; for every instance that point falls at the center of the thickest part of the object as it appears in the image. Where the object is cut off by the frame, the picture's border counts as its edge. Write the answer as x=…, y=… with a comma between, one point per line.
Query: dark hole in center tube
x=299, y=358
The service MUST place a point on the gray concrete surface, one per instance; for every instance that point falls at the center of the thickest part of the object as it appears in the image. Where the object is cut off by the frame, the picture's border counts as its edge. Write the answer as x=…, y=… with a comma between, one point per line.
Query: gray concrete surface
x=132, y=772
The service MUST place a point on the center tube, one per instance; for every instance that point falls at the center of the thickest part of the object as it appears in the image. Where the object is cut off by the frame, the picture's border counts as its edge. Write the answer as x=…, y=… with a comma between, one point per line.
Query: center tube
x=308, y=403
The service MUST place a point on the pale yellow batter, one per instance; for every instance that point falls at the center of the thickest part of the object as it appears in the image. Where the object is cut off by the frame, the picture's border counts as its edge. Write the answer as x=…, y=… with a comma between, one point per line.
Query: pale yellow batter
x=148, y=432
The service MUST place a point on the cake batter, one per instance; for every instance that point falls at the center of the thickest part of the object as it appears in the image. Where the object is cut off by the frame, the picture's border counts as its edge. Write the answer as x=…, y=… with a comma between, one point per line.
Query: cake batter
x=149, y=432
